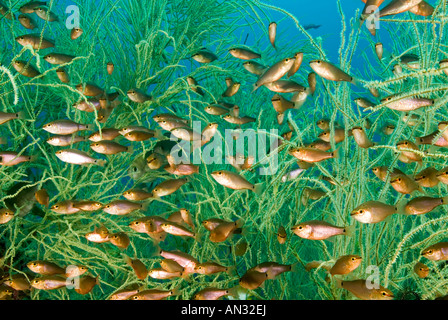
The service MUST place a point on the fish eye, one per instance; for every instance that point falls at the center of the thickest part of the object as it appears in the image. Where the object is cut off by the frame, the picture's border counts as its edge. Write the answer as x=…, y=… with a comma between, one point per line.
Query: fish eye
x=399, y=179
x=300, y=227
x=361, y=211
x=353, y=258
x=56, y=206
x=384, y=293
x=429, y=251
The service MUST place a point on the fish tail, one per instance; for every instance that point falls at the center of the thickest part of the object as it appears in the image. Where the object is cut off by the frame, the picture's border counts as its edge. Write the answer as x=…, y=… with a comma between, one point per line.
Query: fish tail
x=400, y=207
x=281, y=117
x=130, y=150
x=21, y=115
x=335, y=154
x=185, y=275
x=254, y=87
x=295, y=267
x=235, y=111
x=157, y=252
x=144, y=206
x=258, y=188
x=339, y=283
x=176, y=291
x=357, y=82
x=100, y=163
x=127, y=259
x=313, y=265
x=444, y=200
x=240, y=223
x=158, y=134
x=231, y=270
x=33, y=158
x=236, y=291
x=349, y=230
x=197, y=237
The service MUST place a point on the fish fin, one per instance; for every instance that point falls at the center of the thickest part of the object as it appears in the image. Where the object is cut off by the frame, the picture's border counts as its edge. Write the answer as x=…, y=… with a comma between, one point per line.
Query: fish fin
x=97, y=281
x=254, y=87
x=339, y=283
x=145, y=206
x=186, y=276
x=400, y=207
x=197, y=237
x=157, y=251
x=237, y=290
x=357, y=82
x=235, y=111
x=258, y=188
x=432, y=149
x=21, y=115
x=445, y=200
x=309, y=92
x=158, y=134
x=33, y=158
x=3, y=140
x=231, y=270
x=240, y=223
x=295, y=267
x=100, y=163
x=335, y=154
x=270, y=275
x=127, y=259
x=349, y=230
x=176, y=291
x=313, y=265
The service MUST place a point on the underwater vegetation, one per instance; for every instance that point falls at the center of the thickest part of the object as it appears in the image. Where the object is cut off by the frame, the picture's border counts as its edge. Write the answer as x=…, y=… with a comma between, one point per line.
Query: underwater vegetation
x=156, y=150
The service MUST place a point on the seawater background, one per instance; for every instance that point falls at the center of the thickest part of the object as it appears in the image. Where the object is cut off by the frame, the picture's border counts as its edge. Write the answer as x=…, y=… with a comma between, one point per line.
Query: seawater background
x=280, y=205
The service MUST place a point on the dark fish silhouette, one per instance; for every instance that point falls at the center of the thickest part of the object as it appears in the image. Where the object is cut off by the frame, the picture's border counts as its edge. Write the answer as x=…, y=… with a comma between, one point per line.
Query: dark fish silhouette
x=311, y=26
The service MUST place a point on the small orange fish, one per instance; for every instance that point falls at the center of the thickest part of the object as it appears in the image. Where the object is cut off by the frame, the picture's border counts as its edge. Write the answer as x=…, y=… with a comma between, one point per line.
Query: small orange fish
x=6, y=215
x=45, y=267
x=120, y=240
x=252, y=279
x=436, y=252
x=139, y=268
x=319, y=230
x=421, y=270
x=86, y=284
x=345, y=265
